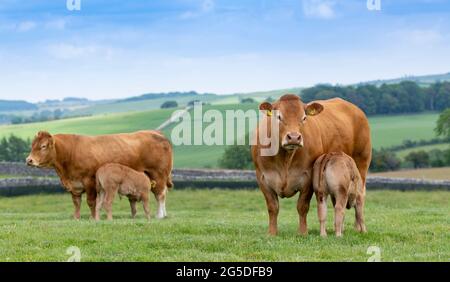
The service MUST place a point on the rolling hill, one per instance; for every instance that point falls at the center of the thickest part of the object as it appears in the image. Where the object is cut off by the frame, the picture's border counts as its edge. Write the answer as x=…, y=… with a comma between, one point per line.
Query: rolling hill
x=386, y=130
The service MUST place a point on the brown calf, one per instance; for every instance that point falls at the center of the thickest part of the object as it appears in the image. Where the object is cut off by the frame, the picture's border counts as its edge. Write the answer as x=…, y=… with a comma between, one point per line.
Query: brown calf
x=116, y=178
x=337, y=175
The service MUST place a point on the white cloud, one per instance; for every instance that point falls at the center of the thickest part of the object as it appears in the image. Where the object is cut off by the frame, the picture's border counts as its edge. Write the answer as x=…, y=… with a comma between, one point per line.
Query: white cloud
x=322, y=9
x=431, y=37
x=72, y=51
x=58, y=24
x=206, y=6
x=26, y=26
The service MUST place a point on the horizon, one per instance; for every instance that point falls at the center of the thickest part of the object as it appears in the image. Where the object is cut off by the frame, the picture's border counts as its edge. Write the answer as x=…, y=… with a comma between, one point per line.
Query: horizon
x=114, y=49
x=405, y=77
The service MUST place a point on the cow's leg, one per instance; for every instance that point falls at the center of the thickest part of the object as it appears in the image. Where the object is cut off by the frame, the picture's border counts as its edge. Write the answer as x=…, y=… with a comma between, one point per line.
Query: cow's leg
x=133, y=207
x=322, y=213
x=99, y=204
x=91, y=194
x=76, y=199
x=160, y=196
x=362, y=163
x=303, y=207
x=273, y=208
x=359, y=214
x=339, y=212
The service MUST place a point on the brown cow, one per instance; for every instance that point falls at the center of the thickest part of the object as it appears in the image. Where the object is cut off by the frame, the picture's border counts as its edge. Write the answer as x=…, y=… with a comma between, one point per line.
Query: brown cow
x=336, y=174
x=307, y=131
x=76, y=159
x=116, y=178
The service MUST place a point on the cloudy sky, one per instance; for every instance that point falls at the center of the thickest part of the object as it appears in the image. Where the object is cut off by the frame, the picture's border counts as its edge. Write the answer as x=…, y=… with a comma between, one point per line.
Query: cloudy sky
x=113, y=48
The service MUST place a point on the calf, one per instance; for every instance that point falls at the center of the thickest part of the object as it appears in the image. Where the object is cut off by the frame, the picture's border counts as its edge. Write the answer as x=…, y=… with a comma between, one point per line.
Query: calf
x=116, y=178
x=337, y=175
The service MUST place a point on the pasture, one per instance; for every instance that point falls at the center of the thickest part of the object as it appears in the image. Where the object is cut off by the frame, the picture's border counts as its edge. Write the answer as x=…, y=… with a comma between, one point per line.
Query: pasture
x=224, y=225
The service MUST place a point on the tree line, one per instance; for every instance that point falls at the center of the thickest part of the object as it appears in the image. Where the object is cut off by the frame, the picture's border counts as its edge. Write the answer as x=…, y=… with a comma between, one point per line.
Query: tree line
x=14, y=149
x=404, y=97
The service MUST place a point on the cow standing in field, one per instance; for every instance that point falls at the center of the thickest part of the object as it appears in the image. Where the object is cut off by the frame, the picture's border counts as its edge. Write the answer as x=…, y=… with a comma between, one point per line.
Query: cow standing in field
x=76, y=159
x=336, y=174
x=307, y=131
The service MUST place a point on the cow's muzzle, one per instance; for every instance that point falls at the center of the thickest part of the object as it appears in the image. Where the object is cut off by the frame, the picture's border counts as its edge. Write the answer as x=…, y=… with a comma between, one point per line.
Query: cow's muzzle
x=293, y=140
x=30, y=162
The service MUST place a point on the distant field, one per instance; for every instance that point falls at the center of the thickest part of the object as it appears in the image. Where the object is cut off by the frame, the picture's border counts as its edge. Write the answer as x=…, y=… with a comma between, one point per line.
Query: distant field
x=153, y=104
x=386, y=130
x=392, y=130
x=426, y=173
x=95, y=125
x=404, y=153
x=224, y=225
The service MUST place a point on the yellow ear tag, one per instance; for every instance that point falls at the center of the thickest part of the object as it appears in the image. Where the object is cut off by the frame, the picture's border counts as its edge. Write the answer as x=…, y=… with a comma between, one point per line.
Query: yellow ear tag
x=311, y=112
x=269, y=113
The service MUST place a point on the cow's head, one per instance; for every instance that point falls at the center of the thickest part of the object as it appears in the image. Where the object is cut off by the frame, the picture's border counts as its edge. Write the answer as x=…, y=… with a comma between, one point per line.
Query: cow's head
x=291, y=114
x=43, y=150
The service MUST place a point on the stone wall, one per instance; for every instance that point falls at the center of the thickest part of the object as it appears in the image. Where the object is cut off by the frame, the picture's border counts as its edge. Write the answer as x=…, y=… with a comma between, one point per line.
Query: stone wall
x=28, y=179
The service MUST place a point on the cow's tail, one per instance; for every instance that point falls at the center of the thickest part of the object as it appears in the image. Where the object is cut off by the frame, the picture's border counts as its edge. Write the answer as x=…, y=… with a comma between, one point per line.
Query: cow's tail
x=318, y=178
x=98, y=183
x=323, y=166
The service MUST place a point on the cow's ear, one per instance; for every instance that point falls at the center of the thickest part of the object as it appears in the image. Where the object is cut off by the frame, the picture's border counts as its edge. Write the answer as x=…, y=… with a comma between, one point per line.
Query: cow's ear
x=266, y=106
x=313, y=109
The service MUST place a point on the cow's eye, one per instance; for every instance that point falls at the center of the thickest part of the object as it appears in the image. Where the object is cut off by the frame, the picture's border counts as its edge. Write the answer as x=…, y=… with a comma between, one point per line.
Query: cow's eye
x=279, y=117
x=304, y=118
x=43, y=147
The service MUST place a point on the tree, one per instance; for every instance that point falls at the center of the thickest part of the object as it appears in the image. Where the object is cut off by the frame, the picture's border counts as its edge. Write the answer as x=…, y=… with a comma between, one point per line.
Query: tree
x=443, y=124
x=169, y=104
x=14, y=149
x=384, y=160
x=237, y=157
x=419, y=159
x=247, y=100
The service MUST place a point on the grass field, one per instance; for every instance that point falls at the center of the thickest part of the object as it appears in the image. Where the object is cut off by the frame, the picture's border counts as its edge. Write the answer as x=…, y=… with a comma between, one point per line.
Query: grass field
x=393, y=130
x=403, y=153
x=386, y=130
x=224, y=225
x=442, y=173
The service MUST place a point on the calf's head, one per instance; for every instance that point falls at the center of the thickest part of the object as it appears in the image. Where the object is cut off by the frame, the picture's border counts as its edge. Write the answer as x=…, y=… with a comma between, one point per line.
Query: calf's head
x=291, y=114
x=43, y=150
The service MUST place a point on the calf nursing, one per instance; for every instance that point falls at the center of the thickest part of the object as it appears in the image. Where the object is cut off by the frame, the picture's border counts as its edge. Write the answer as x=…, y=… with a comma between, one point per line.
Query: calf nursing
x=336, y=174
x=116, y=178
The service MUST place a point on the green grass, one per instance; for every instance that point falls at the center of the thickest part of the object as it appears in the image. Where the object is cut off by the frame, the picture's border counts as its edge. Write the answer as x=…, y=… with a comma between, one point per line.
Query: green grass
x=95, y=125
x=403, y=153
x=393, y=130
x=224, y=225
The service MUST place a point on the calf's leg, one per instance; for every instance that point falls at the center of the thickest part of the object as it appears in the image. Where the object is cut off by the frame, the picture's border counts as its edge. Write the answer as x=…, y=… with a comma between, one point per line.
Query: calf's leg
x=133, y=207
x=99, y=204
x=146, y=206
x=76, y=199
x=339, y=212
x=109, y=198
x=359, y=214
x=322, y=212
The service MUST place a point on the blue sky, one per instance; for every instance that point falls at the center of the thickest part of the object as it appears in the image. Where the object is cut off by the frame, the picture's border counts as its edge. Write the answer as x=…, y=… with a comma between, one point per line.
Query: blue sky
x=112, y=48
